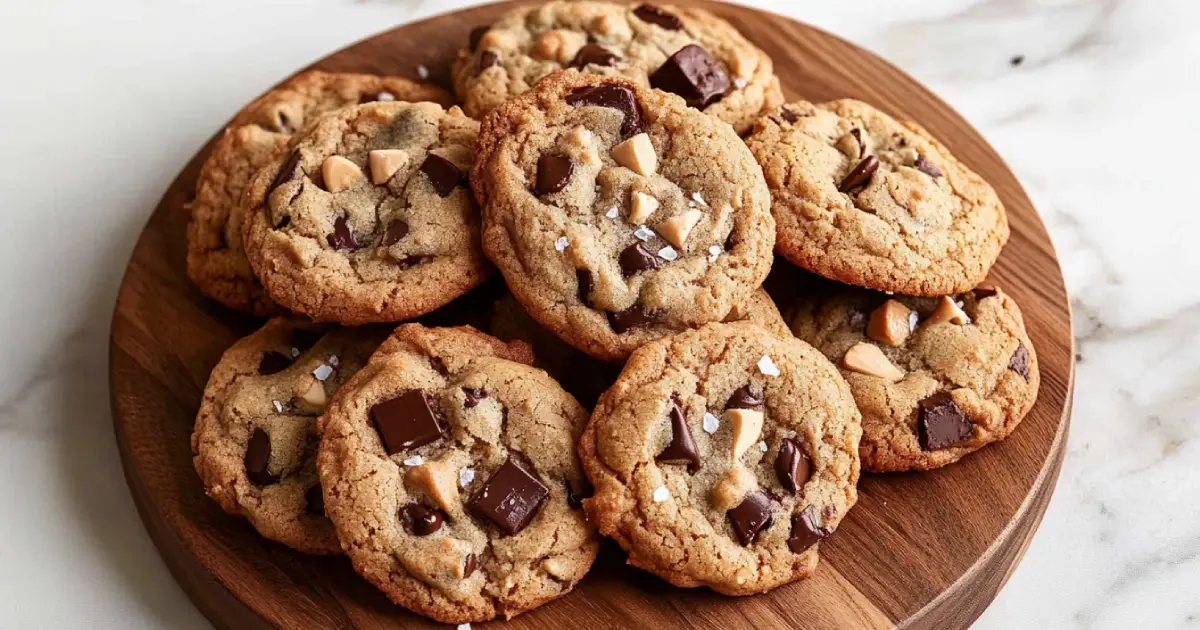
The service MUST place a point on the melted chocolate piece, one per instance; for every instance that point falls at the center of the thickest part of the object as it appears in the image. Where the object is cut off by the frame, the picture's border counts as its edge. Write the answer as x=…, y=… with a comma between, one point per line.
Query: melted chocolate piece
x=258, y=457
x=469, y=566
x=693, y=74
x=286, y=173
x=473, y=396
x=594, y=54
x=422, y=520
x=443, y=174
x=396, y=230
x=553, y=174
x=510, y=499
x=792, y=466
x=583, y=280
x=751, y=516
x=342, y=237
x=637, y=258
x=636, y=316
x=477, y=34
x=942, y=423
x=1019, y=362
x=618, y=97
x=487, y=59
x=654, y=15
x=746, y=397
x=682, y=448
x=927, y=167
x=860, y=176
x=408, y=421
x=806, y=531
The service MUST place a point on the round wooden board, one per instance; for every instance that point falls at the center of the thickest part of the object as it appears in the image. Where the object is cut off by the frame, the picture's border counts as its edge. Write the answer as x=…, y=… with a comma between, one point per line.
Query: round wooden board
x=919, y=551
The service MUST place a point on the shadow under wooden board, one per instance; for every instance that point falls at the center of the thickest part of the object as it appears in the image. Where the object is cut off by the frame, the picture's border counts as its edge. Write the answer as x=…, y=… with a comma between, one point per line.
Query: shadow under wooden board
x=919, y=551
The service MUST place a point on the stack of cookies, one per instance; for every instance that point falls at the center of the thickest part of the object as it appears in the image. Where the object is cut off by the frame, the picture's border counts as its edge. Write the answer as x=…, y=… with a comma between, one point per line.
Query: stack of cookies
x=595, y=161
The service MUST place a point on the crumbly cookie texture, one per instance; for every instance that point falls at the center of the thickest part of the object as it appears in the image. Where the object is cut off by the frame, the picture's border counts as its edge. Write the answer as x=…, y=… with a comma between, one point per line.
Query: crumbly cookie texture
x=935, y=378
x=686, y=51
x=450, y=474
x=864, y=199
x=367, y=217
x=255, y=440
x=216, y=260
x=584, y=377
x=722, y=456
x=619, y=215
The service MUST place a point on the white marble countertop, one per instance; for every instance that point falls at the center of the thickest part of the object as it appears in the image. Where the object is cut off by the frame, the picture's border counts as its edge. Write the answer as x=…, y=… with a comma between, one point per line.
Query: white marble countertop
x=1089, y=100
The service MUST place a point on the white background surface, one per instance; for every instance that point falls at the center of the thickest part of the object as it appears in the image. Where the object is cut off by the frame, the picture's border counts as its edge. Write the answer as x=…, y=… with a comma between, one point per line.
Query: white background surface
x=103, y=101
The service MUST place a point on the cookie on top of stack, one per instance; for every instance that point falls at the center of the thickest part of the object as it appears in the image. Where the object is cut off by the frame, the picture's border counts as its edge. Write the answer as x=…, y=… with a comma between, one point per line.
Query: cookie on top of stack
x=596, y=163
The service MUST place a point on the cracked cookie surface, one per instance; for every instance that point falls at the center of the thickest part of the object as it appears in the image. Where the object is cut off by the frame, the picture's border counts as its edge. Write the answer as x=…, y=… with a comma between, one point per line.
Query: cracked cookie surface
x=255, y=440
x=963, y=370
x=688, y=51
x=619, y=215
x=367, y=217
x=450, y=473
x=216, y=260
x=864, y=199
x=722, y=456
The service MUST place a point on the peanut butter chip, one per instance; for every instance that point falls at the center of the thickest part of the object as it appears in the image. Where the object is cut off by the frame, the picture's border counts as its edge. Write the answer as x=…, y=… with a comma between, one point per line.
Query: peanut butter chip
x=384, y=163
x=676, y=229
x=947, y=311
x=641, y=207
x=437, y=480
x=314, y=396
x=733, y=486
x=747, y=426
x=890, y=323
x=637, y=154
x=868, y=359
x=339, y=173
x=559, y=45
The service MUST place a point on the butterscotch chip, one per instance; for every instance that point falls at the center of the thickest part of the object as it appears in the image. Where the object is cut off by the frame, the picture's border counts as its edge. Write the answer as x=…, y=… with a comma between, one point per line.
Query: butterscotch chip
x=637, y=154
x=314, y=395
x=384, y=163
x=641, y=207
x=947, y=311
x=747, y=427
x=890, y=323
x=676, y=229
x=732, y=488
x=339, y=173
x=559, y=45
x=438, y=481
x=496, y=39
x=868, y=359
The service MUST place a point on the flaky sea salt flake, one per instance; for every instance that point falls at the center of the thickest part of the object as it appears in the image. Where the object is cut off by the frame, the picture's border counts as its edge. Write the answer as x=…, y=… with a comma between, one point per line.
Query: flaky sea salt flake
x=668, y=253
x=661, y=494
x=767, y=366
x=322, y=372
x=561, y=244
x=711, y=423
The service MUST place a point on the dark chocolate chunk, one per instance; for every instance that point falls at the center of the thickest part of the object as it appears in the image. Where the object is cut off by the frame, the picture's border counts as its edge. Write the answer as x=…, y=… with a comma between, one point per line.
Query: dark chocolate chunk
x=806, y=531
x=731, y=241
x=693, y=74
x=927, y=167
x=792, y=466
x=575, y=496
x=473, y=396
x=443, y=174
x=314, y=500
x=583, y=280
x=342, y=237
x=637, y=258
x=860, y=176
x=396, y=230
x=487, y=59
x=553, y=173
x=477, y=34
x=635, y=316
x=746, y=397
x=408, y=421
x=1019, y=362
x=942, y=424
x=862, y=146
x=789, y=114
x=984, y=291
x=654, y=15
x=273, y=363
x=258, y=457
x=469, y=566
x=594, y=54
x=751, y=516
x=510, y=499
x=286, y=172
x=618, y=97
x=682, y=448
x=423, y=520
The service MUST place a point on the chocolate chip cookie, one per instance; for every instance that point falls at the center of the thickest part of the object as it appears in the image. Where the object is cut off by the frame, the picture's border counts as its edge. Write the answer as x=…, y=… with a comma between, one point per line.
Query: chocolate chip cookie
x=689, y=52
x=216, y=260
x=366, y=217
x=864, y=199
x=450, y=474
x=619, y=215
x=935, y=378
x=255, y=440
x=722, y=456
